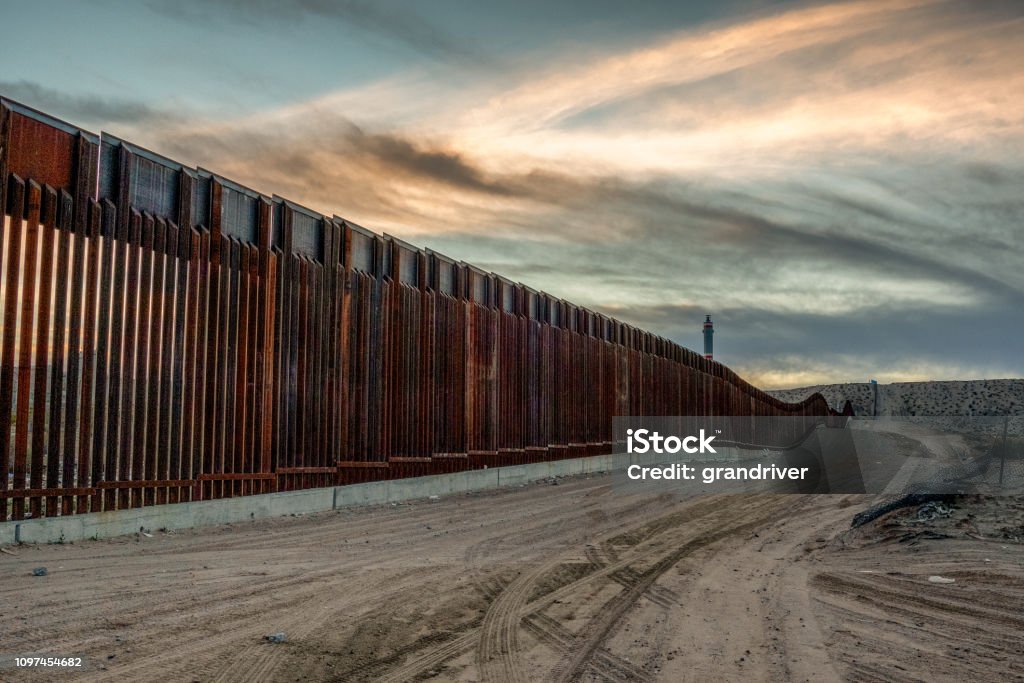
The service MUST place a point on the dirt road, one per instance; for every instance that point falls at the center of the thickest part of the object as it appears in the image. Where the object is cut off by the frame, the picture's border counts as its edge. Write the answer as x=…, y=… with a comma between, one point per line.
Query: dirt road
x=544, y=582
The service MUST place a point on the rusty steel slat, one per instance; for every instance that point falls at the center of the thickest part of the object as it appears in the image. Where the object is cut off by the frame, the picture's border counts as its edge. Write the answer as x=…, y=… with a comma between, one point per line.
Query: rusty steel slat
x=314, y=390
x=292, y=391
x=290, y=379
x=369, y=417
x=278, y=367
x=302, y=394
x=270, y=362
x=179, y=253
x=151, y=273
x=229, y=326
x=241, y=363
x=211, y=364
x=232, y=459
x=376, y=375
x=470, y=380
x=425, y=401
x=116, y=262
x=314, y=454
x=248, y=356
x=264, y=378
x=5, y=277
x=333, y=344
x=40, y=461
x=284, y=368
x=64, y=407
x=108, y=335
x=13, y=233
x=358, y=363
x=57, y=321
x=312, y=393
x=165, y=361
x=339, y=445
x=325, y=404
x=389, y=365
x=88, y=346
x=200, y=380
x=24, y=369
x=190, y=385
x=383, y=349
x=134, y=347
x=213, y=429
x=254, y=377
x=347, y=406
x=363, y=429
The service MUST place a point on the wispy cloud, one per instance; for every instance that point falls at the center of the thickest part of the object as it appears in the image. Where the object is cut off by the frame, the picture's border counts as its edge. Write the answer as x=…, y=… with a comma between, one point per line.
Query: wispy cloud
x=399, y=26
x=812, y=170
x=88, y=109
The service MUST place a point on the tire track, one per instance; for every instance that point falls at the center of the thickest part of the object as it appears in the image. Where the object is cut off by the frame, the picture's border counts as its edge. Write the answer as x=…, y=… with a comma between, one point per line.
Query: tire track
x=601, y=625
x=604, y=663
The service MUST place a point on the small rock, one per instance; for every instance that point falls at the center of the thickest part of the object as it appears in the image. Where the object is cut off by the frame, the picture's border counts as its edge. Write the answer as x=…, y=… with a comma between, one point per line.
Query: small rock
x=941, y=579
x=275, y=637
x=39, y=571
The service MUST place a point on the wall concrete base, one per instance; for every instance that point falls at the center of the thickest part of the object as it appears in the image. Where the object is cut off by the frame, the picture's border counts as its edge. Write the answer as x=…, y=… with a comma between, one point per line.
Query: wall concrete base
x=231, y=510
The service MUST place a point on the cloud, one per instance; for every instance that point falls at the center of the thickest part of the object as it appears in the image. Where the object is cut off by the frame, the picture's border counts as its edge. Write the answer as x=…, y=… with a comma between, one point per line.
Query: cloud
x=837, y=184
x=86, y=108
x=400, y=26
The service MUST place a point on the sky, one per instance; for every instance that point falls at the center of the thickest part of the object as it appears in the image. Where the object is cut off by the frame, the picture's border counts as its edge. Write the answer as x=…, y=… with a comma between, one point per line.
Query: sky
x=837, y=183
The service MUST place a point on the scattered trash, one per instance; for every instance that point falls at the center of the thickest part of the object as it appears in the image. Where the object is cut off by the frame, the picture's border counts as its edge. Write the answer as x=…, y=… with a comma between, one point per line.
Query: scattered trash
x=8, y=552
x=39, y=571
x=434, y=497
x=933, y=510
x=871, y=514
x=275, y=638
x=147, y=534
x=940, y=579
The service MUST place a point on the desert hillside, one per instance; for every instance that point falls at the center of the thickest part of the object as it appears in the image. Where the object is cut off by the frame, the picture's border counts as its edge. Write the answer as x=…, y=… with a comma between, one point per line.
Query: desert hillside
x=970, y=397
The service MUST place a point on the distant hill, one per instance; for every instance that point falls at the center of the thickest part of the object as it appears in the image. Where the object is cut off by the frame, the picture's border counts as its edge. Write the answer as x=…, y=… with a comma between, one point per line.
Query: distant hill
x=970, y=397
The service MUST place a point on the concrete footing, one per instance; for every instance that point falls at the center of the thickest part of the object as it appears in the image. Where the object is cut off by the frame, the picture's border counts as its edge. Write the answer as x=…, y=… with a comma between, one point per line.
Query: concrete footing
x=230, y=510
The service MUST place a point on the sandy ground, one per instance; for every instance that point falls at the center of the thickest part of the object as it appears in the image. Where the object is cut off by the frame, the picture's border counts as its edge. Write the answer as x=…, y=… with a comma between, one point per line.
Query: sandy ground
x=544, y=582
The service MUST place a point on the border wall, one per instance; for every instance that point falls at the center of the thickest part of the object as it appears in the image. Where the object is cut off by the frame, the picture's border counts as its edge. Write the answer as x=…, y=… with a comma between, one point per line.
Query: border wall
x=168, y=335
